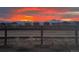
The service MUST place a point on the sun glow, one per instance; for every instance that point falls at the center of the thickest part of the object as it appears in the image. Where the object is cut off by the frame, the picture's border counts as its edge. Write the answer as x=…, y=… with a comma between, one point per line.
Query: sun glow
x=22, y=18
x=66, y=19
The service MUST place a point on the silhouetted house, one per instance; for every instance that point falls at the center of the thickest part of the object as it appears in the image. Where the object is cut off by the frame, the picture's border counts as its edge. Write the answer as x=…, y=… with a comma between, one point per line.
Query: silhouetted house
x=36, y=24
x=76, y=23
x=29, y=23
x=46, y=23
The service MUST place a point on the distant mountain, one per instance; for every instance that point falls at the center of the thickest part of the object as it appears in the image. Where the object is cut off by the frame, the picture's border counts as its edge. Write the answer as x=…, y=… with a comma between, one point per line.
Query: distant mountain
x=56, y=21
x=51, y=22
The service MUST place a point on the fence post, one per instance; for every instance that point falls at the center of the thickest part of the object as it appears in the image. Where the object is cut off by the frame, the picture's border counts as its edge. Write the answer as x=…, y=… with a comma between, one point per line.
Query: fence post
x=76, y=37
x=41, y=36
x=5, y=34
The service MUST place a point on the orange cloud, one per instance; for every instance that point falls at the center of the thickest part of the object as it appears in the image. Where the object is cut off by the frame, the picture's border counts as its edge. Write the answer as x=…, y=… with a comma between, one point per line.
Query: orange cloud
x=18, y=16
x=45, y=14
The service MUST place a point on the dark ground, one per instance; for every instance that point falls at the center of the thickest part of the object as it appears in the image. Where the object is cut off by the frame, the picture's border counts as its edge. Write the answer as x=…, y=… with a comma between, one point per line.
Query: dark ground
x=37, y=50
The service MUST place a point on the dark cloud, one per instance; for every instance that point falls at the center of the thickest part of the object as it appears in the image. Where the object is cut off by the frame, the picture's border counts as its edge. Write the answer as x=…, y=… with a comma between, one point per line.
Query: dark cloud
x=5, y=11
x=74, y=8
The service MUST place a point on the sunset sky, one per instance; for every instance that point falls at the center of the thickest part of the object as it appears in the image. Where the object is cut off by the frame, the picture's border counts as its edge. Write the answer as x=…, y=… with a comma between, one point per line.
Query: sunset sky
x=39, y=13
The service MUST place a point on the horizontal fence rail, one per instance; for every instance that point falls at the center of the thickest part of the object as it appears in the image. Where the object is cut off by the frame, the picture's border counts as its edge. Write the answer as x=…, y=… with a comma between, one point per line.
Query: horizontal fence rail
x=39, y=36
